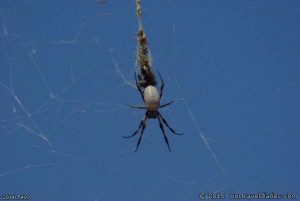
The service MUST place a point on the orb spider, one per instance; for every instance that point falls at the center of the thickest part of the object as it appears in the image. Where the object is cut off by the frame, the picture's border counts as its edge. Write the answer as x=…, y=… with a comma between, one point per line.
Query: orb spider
x=151, y=99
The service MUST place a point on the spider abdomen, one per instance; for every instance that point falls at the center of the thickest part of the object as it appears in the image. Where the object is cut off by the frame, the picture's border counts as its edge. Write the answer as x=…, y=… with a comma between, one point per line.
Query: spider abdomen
x=151, y=98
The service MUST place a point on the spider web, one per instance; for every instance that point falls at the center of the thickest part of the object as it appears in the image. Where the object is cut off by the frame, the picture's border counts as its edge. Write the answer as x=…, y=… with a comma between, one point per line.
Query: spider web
x=66, y=72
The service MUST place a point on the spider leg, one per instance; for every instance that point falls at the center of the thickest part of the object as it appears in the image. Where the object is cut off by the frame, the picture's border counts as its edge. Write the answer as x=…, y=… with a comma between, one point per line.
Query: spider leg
x=137, y=107
x=137, y=130
x=165, y=122
x=138, y=87
x=162, y=85
x=163, y=131
x=164, y=105
x=143, y=123
x=140, y=138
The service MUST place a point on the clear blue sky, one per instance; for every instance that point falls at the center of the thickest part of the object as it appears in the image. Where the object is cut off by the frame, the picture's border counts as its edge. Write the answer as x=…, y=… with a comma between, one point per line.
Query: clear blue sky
x=67, y=69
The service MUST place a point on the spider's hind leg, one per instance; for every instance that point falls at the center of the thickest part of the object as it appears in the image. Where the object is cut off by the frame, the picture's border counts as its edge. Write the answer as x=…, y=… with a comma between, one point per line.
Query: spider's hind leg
x=137, y=107
x=138, y=87
x=164, y=105
x=162, y=85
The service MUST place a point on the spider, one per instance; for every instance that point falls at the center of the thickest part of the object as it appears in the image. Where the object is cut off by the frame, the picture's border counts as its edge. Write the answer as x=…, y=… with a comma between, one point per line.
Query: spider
x=151, y=99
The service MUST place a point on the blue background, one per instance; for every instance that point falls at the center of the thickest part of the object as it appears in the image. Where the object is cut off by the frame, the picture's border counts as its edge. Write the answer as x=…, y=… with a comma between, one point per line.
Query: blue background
x=67, y=69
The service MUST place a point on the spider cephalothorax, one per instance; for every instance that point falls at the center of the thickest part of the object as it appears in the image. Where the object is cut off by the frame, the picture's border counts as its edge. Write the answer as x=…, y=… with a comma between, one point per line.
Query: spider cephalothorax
x=151, y=99
x=152, y=114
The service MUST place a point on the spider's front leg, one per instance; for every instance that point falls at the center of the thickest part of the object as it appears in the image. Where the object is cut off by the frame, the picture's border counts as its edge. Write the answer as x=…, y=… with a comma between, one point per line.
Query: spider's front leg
x=166, y=123
x=143, y=126
x=163, y=131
